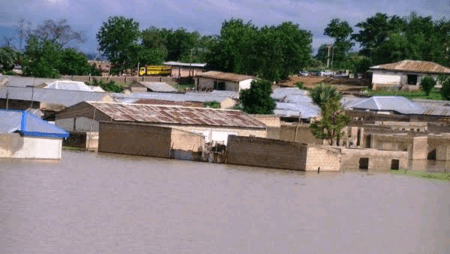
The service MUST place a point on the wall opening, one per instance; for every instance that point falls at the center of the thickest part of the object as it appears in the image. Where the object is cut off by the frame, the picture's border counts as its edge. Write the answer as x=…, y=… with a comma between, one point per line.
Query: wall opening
x=358, y=138
x=363, y=163
x=412, y=79
x=395, y=164
x=368, y=141
x=219, y=85
x=432, y=154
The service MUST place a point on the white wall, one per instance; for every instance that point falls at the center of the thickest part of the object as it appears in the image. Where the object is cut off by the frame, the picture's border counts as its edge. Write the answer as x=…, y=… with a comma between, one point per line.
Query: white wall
x=29, y=147
x=204, y=83
x=380, y=77
x=245, y=84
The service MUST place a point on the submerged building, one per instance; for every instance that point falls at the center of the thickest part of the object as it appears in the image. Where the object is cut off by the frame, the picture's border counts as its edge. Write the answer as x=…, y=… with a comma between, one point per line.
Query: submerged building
x=24, y=135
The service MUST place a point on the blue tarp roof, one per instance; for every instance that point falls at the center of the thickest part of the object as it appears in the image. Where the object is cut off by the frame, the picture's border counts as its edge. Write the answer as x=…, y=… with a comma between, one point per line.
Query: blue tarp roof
x=28, y=124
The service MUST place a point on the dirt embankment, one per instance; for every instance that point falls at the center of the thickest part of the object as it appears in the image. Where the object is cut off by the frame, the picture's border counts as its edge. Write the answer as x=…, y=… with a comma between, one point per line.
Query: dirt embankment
x=344, y=85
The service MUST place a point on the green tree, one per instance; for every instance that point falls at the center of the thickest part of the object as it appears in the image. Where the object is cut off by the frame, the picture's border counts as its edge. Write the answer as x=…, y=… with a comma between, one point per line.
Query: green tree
x=118, y=40
x=74, y=63
x=333, y=120
x=445, y=89
x=42, y=58
x=211, y=104
x=257, y=100
x=340, y=31
x=108, y=87
x=427, y=84
x=8, y=56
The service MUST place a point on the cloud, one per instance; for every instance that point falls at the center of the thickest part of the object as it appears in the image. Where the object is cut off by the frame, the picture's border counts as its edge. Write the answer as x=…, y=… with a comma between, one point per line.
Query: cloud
x=206, y=16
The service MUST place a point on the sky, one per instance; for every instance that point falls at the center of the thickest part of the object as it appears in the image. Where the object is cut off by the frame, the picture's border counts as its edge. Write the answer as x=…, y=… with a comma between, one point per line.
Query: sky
x=206, y=16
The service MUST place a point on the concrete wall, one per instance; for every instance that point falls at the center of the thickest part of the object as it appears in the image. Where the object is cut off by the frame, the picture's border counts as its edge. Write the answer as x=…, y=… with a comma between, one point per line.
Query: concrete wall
x=298, y=133
x=268, y=120
x=440, y=143
x=378, y=160
x=185, y=71
x=273, y=153
x=80, y=124
x=386, y=78
x=187, y=141
x=245, y=84
x=12, y=145
x=207, y=83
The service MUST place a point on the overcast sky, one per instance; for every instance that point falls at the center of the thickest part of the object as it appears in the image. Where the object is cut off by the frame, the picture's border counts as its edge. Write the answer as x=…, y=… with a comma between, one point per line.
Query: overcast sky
x=207, y=16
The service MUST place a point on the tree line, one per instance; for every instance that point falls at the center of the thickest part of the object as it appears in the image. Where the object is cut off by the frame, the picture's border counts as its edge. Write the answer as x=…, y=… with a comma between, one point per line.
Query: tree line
x=386, y=39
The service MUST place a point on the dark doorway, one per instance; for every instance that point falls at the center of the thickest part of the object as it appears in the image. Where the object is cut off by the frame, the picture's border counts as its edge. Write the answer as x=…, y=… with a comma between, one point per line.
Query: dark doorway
x=220, y=85
x=412, y=79
x=358, y=138
x=432, y=154
x=395, y=164
x=364, y=163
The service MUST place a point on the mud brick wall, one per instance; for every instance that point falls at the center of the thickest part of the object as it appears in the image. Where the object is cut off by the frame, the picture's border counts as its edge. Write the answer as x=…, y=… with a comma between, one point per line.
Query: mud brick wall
x=134, y=139
x=325, y=158
x=378, y=160
x=261, y=152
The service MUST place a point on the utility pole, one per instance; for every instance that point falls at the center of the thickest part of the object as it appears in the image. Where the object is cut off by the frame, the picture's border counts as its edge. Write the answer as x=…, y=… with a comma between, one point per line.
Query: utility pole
x=190, y=64
x=332, y=58
x=7, y=97
x=329, y=52
x=32, y=96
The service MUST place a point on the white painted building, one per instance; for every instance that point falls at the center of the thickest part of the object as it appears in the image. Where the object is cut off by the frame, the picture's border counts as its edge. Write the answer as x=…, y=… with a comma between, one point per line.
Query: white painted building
x=26, y=136
x=407, y=72
x=216, y=80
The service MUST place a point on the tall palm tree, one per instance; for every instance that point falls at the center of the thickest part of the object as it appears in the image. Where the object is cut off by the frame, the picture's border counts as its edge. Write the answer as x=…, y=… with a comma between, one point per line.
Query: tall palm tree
x=323, y=93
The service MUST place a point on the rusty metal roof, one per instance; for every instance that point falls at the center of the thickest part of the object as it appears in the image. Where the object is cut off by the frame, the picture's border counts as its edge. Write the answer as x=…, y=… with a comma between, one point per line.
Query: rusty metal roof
x=413, y=66
x=224, y=76
x=158, y=114
x=174, y=103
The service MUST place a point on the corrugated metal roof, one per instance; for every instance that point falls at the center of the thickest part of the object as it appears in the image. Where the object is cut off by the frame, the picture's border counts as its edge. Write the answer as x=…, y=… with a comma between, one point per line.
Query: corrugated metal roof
x=158, y=86
x=51, y=96
x=224, y=76
x=172, y=63
x=69, y=85
x=157, y=114
x=389, y=103
x=173, y=103
x=413, y=66
x=194, y=97
x=280, y=94
x=28, y=125
x=26, y=81
x=296, y=110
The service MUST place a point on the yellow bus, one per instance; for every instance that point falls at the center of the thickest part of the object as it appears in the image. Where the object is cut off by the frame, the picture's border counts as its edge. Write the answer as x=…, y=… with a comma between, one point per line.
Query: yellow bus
x=155, y=70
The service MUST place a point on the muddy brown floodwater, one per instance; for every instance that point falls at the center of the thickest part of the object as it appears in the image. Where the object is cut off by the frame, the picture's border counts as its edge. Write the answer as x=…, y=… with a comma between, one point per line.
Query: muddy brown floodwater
x=104, y=203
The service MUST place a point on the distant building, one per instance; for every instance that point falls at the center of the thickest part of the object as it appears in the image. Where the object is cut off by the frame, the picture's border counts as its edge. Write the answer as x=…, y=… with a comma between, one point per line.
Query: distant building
x=214, y=124
x=185, y=69
x=216, y=80
x=407, y=72
x=103, y=66
x=24, y=135
x=161, y=87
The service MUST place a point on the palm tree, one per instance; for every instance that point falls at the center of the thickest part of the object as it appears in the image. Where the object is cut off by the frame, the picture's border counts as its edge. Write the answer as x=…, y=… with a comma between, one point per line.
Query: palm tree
x=323, y=93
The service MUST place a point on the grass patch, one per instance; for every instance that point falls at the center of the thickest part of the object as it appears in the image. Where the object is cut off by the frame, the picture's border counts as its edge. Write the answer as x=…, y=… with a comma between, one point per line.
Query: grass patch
x=183, y=87
x=424, y=175
x=419, y=94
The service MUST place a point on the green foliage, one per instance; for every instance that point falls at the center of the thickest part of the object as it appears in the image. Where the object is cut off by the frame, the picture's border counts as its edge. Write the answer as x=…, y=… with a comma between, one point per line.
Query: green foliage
x=300, y=85
x=118, y=40
x=445, y=89
x=8, y=56
x=333, y=119
x=427, y=84
x=42, y=58
x=271, y=53
x=419, y=94
x=74, y=63
x=108, y=87
x=340, y=31
x=257, y=100
x=425, y=175
x=211, y=104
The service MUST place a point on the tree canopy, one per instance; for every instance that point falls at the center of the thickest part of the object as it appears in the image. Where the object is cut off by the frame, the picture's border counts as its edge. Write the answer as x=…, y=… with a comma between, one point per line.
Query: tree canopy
x=271, y=53
x=257, y=100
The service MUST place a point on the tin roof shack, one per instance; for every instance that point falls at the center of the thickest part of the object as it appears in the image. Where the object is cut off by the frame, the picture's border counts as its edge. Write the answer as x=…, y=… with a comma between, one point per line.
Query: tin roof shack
x=405, y=73
x=160, y=87
x=47, y=100
x=214, y=124
x=23, y=135
x=216, y=80
x=182, y=70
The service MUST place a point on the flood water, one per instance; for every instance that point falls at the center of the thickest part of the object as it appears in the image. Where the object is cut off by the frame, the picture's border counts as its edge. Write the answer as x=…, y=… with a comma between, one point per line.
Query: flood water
x=104, y=203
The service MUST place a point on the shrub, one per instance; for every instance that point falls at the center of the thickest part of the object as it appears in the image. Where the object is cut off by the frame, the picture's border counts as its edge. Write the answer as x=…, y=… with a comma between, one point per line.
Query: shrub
x=211, y=104
x=427, y=84
x=257, y=100
x=108, y=87
x=445, y=90
x=300, y=85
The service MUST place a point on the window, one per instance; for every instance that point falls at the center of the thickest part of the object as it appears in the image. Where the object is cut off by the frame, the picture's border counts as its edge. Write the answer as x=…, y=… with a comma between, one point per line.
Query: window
x=395, y=164
x=364, y=163
x=412, y=79
x=218, y=85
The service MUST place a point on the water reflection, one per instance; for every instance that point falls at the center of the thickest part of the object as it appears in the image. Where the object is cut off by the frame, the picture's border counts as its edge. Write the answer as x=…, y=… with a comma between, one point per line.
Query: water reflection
x=429, y=165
